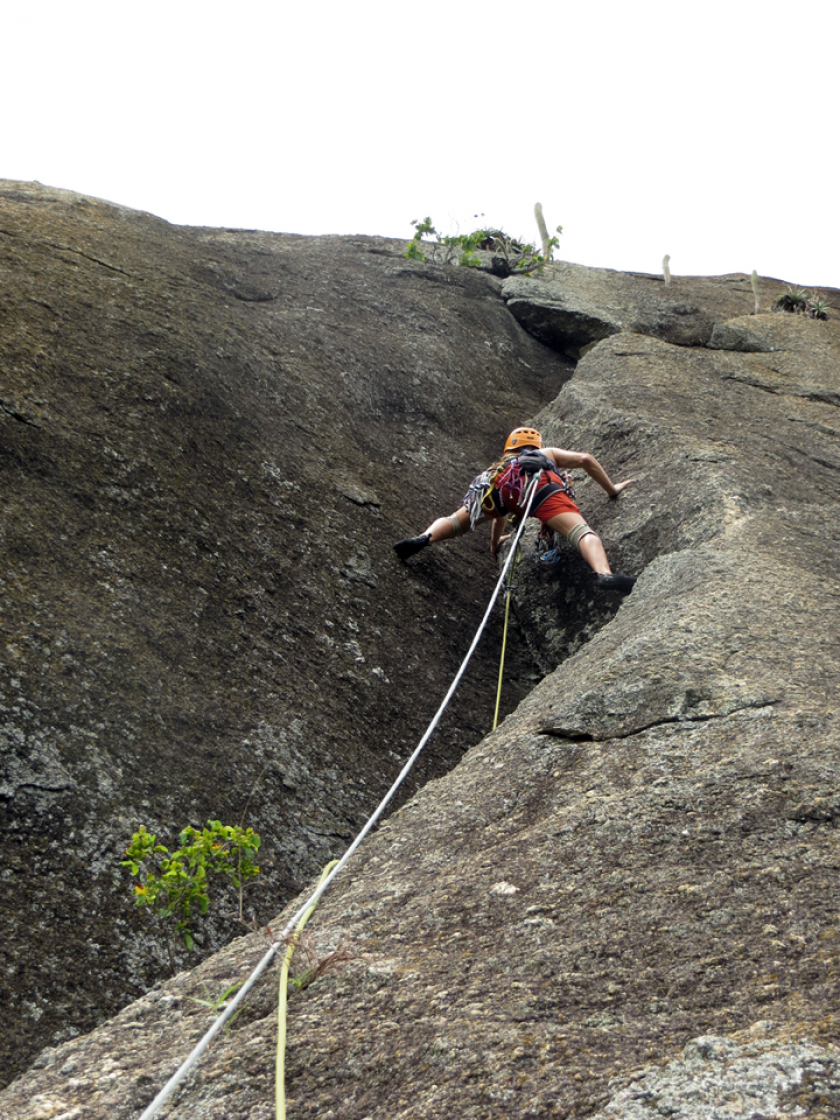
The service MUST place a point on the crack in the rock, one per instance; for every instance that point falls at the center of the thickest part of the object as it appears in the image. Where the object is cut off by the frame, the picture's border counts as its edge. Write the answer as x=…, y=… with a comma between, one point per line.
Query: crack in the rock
x=42, y=303
x=10, y=410
x=823, y=429
x=10, y=793
x=824, y=463
x=580, y=735
x=820, y=396
x=255, y=297
x=754, y=384
x=88, y=257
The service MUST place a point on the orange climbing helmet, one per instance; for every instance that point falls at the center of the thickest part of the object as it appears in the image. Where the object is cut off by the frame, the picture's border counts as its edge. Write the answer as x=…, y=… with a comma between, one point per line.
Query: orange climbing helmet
x=523, y=437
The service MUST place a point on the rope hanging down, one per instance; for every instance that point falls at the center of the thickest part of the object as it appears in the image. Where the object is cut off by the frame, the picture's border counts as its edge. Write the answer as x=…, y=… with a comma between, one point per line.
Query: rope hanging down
x=280, y=1059
x=508, y=592
x=194, y=1056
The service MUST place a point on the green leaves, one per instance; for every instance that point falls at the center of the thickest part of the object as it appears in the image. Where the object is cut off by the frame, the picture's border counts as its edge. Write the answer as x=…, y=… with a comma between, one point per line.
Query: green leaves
x=794, y=299
x=463, y=248
x=818, y=307
x=802, y=302
x=421, y=229
x=216, y=1004
x=175, y=884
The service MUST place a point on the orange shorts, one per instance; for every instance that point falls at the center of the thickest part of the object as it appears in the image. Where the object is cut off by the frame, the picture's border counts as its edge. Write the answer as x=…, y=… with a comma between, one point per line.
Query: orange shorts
x=556, y=503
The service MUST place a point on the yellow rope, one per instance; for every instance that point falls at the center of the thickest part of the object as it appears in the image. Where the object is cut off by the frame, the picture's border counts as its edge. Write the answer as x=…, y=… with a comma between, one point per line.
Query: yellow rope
x=219, y=1022
x=280, y=1063
x=504, y=639
x=502, y=662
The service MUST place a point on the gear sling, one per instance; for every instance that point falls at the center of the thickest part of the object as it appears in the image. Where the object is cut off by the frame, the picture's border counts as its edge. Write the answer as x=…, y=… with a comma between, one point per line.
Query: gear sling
x=501, y=491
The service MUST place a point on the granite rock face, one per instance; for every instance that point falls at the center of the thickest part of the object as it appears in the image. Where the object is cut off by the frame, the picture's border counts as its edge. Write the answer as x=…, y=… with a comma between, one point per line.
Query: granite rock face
x=210, y=441
x=622, y=902
x=721, y=1078
x=571, y=307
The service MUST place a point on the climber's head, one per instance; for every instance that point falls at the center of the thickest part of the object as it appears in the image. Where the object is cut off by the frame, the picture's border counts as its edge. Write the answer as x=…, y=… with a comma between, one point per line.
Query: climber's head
x=521, y=438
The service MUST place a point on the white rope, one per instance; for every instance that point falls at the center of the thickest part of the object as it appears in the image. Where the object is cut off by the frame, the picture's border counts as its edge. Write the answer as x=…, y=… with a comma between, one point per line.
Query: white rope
x=226, y=1014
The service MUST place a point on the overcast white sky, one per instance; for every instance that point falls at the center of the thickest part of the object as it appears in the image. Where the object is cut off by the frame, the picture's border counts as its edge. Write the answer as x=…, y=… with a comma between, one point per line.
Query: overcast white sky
x=706, y=130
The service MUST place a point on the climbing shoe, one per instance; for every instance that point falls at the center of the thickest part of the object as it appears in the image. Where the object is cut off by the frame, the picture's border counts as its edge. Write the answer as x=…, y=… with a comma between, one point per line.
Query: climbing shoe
x=615, y=582
x=410, y=545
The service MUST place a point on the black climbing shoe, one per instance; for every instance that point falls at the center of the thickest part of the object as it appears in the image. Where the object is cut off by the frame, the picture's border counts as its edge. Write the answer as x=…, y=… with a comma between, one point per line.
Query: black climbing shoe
x=410, y=545
x=615, y=582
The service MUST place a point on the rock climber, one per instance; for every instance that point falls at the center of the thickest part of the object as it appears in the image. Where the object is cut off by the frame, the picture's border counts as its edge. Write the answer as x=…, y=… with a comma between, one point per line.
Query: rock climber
x=498, y=492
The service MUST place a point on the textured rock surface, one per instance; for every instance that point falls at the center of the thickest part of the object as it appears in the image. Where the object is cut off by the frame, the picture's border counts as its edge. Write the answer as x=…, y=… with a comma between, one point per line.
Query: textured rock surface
x=719, y=1079
x=209, y=441
x=571, y=307
x=630, y=887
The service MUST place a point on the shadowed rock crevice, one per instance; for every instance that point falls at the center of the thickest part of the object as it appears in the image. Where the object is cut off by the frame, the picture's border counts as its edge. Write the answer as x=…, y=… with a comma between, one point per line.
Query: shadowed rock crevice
x=572, y=308
x=684, y=718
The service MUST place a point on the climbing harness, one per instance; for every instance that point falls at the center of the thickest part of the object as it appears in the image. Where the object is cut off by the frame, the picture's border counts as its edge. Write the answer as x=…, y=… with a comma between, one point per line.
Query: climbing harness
x=327, y=879
x=500, y=491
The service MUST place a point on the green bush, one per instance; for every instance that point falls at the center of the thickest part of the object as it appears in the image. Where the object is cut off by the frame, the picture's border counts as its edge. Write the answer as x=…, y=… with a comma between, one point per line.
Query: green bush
x=801, y=302
x=443, y=250
x=175, y=884
x=509, y=255
x=794, y=299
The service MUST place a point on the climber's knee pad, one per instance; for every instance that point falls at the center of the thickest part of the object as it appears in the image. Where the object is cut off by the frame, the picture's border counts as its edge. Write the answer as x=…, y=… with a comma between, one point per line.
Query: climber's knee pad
x=576, y=535
x=457, y=528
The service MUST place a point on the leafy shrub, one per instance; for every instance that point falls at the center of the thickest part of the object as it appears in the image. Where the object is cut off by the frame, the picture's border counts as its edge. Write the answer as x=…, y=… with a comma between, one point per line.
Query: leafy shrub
x=801, y=302
x=818, y=307
x=175, y=884
x=509, y=255
x=442, y=249
x=794, y=299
